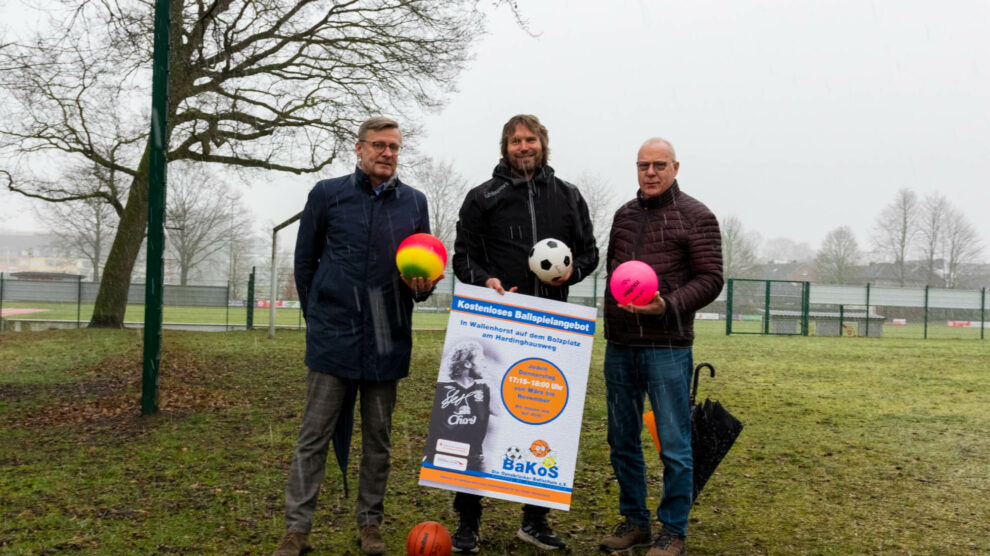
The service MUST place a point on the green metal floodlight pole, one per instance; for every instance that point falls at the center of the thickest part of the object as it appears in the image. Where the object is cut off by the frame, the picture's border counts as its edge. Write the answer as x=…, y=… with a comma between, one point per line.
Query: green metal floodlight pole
x=155, y=280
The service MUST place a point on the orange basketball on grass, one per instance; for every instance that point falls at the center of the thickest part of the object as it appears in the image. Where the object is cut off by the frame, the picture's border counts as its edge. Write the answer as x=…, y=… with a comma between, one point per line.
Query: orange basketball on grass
x=428, y=538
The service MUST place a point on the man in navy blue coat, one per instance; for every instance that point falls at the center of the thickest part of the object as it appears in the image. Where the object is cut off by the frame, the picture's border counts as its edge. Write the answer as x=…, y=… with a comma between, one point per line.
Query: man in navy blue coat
x=358, y=311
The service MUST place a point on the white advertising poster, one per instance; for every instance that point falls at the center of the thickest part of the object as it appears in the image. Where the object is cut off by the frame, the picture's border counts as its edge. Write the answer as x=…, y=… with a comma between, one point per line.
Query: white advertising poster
x=507, y=410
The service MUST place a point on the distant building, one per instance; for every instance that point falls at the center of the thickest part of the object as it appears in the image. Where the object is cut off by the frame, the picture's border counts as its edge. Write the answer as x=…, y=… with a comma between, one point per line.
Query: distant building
x=47, y=276
x=23, y=252
x=791, y=270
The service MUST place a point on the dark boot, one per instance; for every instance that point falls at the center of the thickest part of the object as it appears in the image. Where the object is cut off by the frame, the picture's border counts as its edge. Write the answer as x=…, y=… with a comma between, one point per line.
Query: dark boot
x=466, y=536
x=535, y=531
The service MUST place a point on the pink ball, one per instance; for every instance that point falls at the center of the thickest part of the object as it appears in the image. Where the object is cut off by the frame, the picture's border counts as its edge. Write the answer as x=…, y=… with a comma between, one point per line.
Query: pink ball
x=633, y=282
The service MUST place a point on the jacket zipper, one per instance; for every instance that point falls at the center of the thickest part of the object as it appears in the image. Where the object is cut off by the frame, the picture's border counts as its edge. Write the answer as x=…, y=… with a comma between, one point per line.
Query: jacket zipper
x=532, y=220
x=639, y=235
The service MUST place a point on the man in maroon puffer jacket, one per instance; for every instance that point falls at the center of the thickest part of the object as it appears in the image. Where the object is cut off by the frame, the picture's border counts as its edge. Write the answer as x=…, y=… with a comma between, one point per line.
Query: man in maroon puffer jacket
x=649, y=347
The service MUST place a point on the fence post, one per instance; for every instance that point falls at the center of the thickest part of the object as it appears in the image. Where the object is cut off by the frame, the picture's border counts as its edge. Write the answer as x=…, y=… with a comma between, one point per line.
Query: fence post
x=78, y=301
x=594, y=290
x=766, y=309
x=805, y=307
x=249, y=323
x=983, y=306
x=926, y=312
x=1, y=301
x=867, y=309
x=226, y=321
x=842, y=318
x=728, y=308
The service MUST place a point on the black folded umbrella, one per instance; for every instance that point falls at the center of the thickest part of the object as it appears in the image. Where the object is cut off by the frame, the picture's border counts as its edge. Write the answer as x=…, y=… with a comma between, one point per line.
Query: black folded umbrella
x=713, y=431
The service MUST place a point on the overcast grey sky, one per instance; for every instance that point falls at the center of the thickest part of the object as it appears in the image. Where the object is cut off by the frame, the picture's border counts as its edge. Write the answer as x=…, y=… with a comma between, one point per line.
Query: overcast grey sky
x=797, y=117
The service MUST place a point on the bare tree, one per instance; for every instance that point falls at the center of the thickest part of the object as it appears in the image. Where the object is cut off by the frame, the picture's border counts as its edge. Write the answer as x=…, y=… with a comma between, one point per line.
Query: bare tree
x=202, y=218
x=602, y=203
x=272, y=84
x=895, y=229
x=961, y=244
x=932, y=229
x=738, y=249
x=83, y=227
x=444, y=188
x=240, y=257
x=836, y=261
x=786, y=249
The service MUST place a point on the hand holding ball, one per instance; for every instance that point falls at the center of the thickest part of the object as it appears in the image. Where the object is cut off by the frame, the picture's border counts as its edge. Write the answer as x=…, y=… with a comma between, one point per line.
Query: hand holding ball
x=549, y=259
x=428, y=538
x=421, y=255
x=633, y=282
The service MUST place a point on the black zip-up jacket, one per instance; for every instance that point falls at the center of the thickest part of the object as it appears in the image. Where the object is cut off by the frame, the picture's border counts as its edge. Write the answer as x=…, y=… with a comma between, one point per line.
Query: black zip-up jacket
x=502, y=218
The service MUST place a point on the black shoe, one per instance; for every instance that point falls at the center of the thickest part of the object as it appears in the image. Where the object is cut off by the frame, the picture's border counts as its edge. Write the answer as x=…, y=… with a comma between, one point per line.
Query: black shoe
x=535, y=531
x=465, y=538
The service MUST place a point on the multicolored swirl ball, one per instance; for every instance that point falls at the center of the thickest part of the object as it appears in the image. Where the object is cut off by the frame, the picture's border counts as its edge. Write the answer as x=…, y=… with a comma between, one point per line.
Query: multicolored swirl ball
x=421, y=255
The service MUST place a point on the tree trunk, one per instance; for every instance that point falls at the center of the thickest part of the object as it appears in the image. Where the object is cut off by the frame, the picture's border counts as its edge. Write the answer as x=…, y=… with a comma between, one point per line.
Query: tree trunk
x=111, y=300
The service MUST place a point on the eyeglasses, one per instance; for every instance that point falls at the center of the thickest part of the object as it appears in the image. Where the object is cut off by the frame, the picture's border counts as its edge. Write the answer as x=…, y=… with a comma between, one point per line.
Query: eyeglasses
x=379, y=146
x=658, y=165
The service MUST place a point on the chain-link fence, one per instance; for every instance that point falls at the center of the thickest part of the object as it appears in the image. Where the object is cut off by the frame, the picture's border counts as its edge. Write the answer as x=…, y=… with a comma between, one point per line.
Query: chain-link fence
x=781, y=307
x=39, y=304
x=746, y=306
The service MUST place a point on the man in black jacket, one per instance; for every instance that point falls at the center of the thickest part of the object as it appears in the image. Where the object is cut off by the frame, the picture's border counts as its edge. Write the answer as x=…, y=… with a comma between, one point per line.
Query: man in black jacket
x=498, y=224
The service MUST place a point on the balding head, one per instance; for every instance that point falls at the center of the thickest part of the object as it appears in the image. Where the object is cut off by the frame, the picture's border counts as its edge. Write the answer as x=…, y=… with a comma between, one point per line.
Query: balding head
x=660, y=142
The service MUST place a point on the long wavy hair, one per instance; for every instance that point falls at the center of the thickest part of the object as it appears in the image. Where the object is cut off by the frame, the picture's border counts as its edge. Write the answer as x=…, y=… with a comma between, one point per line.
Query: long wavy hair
x=533, y=124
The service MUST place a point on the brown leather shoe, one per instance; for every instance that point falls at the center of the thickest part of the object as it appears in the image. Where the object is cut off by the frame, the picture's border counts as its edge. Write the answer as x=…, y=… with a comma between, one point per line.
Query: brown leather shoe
x=668, y=543
x=371, y=540
x=293, y=543
x=628, y=535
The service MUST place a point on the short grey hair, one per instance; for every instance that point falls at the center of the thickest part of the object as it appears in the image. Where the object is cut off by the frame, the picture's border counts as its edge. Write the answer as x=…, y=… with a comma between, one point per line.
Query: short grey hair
x=377, y=123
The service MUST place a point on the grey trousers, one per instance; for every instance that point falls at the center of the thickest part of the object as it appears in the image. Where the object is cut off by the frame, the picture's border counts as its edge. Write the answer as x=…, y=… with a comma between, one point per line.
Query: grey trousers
x=324, y=398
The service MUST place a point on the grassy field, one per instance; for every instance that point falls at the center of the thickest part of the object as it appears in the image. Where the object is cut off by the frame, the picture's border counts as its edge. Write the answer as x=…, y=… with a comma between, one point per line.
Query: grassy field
x=851, y=446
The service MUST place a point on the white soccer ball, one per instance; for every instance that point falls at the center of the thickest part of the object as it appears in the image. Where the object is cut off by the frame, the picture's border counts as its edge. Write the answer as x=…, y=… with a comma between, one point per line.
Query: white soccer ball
x=550, y=258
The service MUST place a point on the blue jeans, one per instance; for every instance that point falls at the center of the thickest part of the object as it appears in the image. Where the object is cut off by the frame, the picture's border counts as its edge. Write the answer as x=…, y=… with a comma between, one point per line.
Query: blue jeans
x=664, y=374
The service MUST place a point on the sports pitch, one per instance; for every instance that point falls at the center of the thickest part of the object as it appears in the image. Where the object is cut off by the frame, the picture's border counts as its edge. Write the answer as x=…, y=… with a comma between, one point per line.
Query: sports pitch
x=851, y=446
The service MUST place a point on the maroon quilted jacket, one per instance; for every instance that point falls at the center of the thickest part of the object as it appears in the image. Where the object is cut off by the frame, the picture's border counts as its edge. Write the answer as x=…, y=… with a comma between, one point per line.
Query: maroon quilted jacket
x=679, y=237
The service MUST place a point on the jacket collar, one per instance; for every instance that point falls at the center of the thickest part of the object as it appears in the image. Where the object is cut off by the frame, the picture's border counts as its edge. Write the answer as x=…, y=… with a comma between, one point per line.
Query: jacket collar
x=504, y=172
x=661, y=200
x=363, y=180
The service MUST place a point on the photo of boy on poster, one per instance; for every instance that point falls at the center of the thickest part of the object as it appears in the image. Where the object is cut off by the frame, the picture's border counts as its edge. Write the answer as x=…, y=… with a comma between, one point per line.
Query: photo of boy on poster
x=462, y=406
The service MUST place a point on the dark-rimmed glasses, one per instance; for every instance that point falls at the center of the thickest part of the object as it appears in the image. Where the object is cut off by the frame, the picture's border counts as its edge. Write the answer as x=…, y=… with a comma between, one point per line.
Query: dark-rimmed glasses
x=379, y=146
x=658, y=165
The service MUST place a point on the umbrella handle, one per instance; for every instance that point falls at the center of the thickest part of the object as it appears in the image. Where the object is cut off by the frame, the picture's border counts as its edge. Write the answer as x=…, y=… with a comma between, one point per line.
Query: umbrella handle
x=697, y=373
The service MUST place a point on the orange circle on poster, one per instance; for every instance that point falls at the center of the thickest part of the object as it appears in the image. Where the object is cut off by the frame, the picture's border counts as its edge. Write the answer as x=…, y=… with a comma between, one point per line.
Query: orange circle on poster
x=534, y=391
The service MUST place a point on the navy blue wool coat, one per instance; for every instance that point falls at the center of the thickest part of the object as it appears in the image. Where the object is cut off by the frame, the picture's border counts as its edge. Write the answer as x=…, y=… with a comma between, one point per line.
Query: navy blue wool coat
x=358, y=311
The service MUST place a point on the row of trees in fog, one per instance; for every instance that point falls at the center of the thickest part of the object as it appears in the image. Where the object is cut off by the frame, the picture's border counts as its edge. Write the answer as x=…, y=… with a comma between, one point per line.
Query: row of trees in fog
x=207, y=226
x=211, y=236
x=914, y=241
